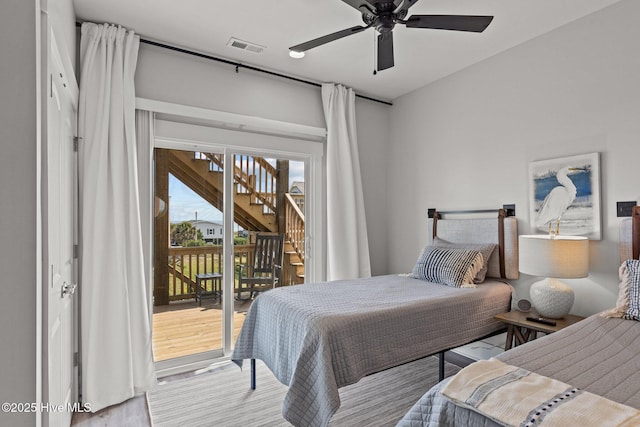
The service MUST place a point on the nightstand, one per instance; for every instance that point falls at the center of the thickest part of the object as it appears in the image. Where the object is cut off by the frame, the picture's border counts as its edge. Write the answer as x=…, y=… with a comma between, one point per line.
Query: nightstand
x=520, y=330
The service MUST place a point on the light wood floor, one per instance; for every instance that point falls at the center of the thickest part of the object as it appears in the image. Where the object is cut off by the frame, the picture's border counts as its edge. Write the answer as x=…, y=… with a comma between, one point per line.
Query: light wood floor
x=184, y=328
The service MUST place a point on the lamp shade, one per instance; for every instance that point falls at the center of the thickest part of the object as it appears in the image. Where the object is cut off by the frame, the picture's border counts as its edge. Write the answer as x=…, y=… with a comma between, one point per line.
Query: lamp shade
x=560, y=257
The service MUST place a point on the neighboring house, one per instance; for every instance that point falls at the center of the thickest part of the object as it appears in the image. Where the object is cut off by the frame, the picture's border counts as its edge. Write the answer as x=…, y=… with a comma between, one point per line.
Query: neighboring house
x=297, y=188
x=297, y=193
x=211, y=231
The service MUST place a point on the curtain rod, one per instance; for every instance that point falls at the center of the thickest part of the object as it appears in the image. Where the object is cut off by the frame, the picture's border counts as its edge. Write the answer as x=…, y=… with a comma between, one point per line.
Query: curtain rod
x=240, y=65
x=248, y=67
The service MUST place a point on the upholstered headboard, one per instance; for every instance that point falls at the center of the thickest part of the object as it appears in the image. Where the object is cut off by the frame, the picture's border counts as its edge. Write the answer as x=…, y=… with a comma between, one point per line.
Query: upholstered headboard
x=630, y=236
x=482, y=230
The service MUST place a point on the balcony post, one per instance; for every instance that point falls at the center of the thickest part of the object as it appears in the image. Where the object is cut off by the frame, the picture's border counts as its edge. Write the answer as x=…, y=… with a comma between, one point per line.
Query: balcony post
x=161, y=231
x=282, y=187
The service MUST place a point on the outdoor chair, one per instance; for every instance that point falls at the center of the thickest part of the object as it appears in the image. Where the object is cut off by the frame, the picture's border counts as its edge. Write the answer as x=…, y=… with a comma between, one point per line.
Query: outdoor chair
x=266, y=271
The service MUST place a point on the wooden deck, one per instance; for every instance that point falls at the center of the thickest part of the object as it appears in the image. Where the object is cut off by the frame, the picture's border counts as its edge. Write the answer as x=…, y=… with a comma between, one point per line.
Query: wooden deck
x=184, y=328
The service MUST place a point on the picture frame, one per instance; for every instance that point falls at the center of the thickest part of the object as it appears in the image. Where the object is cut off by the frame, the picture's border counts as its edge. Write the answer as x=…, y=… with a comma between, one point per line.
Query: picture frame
x=567, y=188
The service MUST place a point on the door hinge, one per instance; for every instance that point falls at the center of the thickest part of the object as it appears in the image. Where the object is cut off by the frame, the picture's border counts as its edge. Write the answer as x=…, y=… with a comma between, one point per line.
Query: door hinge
x=75, y=251
x=75, y=359
x=76, y=142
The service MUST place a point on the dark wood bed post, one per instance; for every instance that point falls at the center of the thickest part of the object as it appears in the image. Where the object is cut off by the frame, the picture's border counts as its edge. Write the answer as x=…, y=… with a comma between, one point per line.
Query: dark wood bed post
x=502, y=214
x=436, y=215
x=635, y=231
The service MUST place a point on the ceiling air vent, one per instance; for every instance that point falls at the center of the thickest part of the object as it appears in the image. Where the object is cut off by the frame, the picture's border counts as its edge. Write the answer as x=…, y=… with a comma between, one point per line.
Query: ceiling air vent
x=240, y=44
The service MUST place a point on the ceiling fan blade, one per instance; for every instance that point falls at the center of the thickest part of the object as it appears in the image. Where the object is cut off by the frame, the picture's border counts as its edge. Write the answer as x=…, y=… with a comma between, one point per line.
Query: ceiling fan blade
x=476, y=24
x=326, y=39
x=385, y=50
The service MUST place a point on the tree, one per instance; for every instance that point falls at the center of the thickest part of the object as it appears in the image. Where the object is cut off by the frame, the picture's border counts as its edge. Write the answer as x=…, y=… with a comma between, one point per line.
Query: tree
x=238, y=240
x=183, y=232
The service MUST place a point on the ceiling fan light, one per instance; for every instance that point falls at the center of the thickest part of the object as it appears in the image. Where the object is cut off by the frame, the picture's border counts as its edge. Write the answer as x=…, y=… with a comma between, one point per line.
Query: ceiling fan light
x=296, y=54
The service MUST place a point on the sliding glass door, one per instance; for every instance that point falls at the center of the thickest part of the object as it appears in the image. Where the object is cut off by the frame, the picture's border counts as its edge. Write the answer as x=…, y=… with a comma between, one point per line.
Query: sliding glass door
x=212, y=203
x=188, y=237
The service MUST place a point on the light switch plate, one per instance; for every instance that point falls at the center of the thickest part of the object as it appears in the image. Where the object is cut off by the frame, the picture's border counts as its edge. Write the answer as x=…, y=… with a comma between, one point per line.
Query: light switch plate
x=625, y=208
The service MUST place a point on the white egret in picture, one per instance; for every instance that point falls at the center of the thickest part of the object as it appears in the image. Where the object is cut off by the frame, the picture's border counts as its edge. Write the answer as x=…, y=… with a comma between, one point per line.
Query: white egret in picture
x=565, y=196
x=558, y=200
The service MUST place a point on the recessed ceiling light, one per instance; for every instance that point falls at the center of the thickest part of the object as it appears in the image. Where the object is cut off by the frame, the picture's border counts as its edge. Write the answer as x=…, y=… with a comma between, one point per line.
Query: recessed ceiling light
x=296, y=55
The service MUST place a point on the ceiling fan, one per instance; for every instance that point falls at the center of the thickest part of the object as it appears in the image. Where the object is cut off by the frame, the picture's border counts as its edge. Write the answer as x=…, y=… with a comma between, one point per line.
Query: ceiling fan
x=383, y=15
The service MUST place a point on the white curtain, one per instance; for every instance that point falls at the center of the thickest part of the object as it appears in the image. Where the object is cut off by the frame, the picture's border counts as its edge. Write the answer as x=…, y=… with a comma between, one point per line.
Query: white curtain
x=117, y=358
x=347, y=242
x=144, y=144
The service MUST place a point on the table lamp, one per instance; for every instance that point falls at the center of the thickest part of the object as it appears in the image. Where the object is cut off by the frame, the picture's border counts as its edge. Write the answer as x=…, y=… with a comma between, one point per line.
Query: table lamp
x=555, y=257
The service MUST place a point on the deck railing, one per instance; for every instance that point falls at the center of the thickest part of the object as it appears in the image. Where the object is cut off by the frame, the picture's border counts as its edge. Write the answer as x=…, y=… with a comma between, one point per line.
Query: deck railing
x=186, y=262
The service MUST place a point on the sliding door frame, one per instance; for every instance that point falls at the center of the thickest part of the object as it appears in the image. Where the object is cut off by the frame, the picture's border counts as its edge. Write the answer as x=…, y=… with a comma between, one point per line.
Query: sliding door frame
x=174, y=128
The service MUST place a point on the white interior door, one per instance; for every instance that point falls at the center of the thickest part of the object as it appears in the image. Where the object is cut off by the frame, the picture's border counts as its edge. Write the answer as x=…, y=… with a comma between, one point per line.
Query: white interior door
x=59, y=190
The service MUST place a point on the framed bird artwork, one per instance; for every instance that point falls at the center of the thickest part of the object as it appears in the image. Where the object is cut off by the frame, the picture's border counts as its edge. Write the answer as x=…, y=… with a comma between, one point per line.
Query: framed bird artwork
x=564, y=196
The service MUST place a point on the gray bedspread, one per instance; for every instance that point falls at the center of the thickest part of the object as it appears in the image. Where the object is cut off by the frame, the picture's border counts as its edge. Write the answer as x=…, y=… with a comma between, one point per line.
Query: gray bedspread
x=318, y=337
x=598, y=355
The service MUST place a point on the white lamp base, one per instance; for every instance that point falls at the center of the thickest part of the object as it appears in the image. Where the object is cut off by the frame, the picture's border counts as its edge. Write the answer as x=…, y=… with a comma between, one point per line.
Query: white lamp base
x=551, y=298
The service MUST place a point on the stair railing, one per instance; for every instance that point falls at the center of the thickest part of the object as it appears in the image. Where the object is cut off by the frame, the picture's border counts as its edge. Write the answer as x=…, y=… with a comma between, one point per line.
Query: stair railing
x=294, y=226
x=252, y=175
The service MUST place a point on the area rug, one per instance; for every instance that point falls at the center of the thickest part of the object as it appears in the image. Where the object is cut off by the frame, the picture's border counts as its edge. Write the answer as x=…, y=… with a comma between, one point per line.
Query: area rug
x=222, y=397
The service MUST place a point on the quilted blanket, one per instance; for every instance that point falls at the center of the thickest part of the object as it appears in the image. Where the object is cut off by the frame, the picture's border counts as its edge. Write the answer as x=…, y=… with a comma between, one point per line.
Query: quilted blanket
x=597, y=355
x=319, y=337
x=514, y=396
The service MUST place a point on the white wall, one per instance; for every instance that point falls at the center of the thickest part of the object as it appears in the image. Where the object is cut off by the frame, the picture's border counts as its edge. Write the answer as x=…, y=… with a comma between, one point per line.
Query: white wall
x=171, y=76
x=19, y=193
x=18, y=165
x=466, y=141
x=373, y=140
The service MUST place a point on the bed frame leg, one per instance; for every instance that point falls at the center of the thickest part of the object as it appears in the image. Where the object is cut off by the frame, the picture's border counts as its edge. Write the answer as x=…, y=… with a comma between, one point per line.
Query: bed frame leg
x=253, y=374
x=441, y=366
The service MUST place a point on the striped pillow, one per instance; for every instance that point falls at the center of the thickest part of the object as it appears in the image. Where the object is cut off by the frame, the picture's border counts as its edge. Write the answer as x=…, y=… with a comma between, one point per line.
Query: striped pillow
x=628, y=303
x=451, y=267
x=486, y=249
x=633, y=311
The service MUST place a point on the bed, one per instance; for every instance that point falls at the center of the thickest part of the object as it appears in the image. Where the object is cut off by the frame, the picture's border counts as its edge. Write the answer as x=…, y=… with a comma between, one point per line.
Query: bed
x=598, y=356
x=319, y=337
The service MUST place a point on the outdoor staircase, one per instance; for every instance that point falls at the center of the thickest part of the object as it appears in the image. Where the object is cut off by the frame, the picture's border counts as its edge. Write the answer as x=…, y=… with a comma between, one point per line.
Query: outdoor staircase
x=255, y=206
x=205, y=177
x=294, y=261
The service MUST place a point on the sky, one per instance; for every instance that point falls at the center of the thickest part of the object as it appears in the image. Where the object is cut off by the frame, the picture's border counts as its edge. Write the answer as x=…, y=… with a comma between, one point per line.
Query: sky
x=184, y=203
